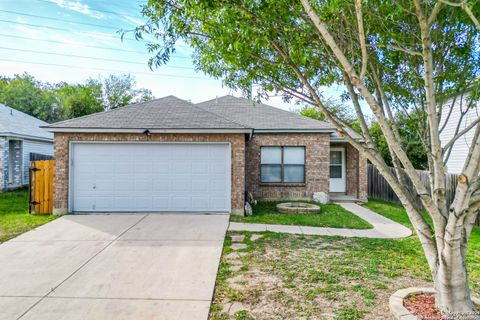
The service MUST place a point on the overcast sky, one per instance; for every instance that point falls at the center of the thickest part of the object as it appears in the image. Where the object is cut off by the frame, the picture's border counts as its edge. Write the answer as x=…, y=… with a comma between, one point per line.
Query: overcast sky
x=72, y=40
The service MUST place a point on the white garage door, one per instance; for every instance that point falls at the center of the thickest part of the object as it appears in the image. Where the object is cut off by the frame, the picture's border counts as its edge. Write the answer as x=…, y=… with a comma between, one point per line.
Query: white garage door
x=149, y=177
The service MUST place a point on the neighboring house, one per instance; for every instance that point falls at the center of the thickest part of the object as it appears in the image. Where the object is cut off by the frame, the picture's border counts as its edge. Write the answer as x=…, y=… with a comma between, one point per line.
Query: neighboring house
x=171, y=155
x=454, y=120
x=20, y=135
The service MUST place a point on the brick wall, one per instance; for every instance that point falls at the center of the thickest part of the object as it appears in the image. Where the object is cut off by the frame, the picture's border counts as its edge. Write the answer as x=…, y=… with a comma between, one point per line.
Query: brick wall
x=356, y=173
x=61, y=153
x=317, y=157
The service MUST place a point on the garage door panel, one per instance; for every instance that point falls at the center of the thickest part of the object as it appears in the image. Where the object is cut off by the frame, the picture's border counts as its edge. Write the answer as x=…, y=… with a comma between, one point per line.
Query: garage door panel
x=179, y=203
x=151, y=177
x=161, y=167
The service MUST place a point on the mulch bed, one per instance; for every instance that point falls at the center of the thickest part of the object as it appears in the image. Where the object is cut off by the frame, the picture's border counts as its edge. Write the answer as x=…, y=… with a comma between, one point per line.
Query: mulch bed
x=423, y=306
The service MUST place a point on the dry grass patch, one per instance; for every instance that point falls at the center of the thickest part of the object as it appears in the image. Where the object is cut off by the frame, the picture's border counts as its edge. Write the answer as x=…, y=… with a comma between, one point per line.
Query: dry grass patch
x=309, y=277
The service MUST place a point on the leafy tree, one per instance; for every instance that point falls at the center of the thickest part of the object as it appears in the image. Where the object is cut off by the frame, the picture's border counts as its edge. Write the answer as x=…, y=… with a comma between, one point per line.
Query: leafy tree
x=61, y=101
x=393, y=55
x=81, y=99
x=26, y=94
x=411, y=142
x=118, y=91
x=341, y=110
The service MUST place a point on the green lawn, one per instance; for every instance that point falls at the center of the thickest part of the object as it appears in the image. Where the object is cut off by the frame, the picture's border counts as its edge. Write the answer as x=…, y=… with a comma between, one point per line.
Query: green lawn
x=284, y=276
x=14, y=216
x=331, y=215
x=397, y=213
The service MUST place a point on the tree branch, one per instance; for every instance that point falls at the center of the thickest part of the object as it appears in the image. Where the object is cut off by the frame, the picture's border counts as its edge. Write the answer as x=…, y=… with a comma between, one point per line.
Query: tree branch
x=450, y=143
x=466, y=8
x=412, y=52
x=361, y=37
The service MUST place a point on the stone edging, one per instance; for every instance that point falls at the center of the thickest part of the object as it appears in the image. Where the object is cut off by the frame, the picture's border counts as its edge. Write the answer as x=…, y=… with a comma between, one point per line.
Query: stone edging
x=397, y=309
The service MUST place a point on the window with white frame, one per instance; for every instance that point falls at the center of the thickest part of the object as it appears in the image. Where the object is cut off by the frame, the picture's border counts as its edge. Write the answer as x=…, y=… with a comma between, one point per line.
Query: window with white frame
x=282, y=165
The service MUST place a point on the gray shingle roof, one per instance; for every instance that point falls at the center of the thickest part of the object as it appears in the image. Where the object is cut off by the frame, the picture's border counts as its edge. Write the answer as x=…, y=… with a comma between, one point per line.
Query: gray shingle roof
x=261, y=116
x=165, y=113
x=16, y=123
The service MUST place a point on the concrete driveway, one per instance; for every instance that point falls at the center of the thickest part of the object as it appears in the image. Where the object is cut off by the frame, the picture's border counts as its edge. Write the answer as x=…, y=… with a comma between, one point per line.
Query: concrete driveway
x=113, y=267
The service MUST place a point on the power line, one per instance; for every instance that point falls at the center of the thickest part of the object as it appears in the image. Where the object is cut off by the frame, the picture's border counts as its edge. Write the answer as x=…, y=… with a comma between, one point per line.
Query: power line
x=63, y=29
x=85, y=45
x=97, y=10
x=110, y=70
x=59, y=19
x=70, y=30
x=86, y=57
x=72, y=43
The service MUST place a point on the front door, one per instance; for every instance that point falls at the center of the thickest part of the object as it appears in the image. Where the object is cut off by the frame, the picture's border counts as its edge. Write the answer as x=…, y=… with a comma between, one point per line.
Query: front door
x=337, y=170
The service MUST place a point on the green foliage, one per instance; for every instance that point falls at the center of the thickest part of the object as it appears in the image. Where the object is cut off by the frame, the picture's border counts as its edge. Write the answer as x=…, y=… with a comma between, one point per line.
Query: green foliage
x=118, y=91
x=268, y=43
x=80, y=100
x=341, y=110
x=410, y=138
x=63, y=101
x=28, y=95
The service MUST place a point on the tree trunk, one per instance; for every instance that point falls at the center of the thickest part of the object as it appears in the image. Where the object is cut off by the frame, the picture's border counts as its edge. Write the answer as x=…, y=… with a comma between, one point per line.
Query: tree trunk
x=451, y=287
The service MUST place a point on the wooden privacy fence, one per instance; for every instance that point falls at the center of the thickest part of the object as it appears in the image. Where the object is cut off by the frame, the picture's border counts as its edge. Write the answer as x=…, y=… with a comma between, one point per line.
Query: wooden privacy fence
x=41, y=187
x=378, y=187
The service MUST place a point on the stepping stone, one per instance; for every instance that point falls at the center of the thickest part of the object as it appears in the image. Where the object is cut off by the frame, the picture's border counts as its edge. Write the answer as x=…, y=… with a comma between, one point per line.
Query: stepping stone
x=238, y=246
x=236, y=282
x=235, y=268
x=226, y=307
x=238, y=238
x=255, y=237
x=232, y=256
x=235, y=262
x=235, y=255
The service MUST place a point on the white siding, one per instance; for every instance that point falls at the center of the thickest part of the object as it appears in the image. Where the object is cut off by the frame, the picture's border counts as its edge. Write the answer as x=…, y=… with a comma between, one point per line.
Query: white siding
x=36, y=147
x=460, y=149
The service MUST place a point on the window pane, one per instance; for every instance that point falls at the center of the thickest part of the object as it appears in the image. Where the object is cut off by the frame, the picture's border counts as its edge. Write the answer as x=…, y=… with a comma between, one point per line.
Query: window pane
x=271, y=173
x=335, y=171
x=271, y=155
x=294, y=173
x=294, y=155
x=335, y=157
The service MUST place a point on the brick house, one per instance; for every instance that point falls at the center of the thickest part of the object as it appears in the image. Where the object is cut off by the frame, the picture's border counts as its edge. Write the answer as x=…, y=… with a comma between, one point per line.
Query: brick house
x=171, y=155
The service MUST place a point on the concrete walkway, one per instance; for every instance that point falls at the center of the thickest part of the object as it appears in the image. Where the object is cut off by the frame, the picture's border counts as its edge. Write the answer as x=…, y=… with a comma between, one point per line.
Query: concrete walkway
x=113, y=267
x=382, y=227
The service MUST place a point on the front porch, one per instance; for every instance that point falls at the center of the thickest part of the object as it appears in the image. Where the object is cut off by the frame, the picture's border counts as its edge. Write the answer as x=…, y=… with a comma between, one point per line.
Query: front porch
x=347, y=174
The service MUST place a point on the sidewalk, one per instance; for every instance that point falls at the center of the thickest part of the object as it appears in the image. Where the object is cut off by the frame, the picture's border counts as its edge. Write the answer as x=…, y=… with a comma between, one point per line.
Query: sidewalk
x=382, y=227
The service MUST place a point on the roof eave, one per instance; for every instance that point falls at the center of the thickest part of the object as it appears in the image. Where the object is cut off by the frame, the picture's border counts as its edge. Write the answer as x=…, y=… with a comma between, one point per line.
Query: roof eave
x=294, y=130
x=151, y=130
x=25, y=136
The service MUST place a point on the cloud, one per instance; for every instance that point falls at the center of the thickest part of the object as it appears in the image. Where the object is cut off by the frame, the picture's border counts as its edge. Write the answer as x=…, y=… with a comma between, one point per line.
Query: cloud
x=77, y=6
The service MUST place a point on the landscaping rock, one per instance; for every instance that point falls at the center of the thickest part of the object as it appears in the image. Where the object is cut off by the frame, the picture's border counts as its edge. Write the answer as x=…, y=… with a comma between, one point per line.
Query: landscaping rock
x=321, y=197
x=238, y=238
x=248, y=209
x=238, y=246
